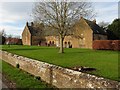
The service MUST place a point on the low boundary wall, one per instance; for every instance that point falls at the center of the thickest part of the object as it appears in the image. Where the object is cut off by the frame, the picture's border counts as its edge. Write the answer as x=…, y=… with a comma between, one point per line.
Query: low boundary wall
x=56, y=75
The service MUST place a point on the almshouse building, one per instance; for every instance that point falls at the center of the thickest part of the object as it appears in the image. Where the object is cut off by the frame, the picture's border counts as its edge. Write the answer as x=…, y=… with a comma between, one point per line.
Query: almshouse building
x=83, y=35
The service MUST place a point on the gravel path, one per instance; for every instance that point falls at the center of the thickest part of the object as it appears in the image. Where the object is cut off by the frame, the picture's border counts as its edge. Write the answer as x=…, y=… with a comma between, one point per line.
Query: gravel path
x=4, y=83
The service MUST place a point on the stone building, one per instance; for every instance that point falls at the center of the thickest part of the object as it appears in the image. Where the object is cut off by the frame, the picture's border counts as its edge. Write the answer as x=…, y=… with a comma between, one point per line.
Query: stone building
x=82, y=36
x=32, y=35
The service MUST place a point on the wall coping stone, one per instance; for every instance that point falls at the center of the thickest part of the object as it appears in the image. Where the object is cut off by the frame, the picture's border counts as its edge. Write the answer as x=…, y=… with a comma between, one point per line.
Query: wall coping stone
x=66, y=71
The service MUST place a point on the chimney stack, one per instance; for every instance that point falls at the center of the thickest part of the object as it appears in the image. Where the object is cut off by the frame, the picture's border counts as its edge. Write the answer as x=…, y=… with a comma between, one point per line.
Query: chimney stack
x=32, y=23
x=94, y=20
x=81, y=17
x=26, y=23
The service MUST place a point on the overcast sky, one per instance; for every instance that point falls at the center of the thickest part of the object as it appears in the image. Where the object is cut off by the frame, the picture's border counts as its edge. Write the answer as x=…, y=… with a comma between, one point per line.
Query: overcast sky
x=14, y=15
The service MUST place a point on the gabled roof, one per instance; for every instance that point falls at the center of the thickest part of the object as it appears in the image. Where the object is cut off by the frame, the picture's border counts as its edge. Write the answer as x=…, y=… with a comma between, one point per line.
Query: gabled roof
x=34, y=31
x=96, y=29
x=49, y=31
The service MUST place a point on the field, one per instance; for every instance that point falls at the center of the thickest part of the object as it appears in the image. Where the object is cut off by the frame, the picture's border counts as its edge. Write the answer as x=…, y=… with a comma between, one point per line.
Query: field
x=105, y=62
x=21, y=78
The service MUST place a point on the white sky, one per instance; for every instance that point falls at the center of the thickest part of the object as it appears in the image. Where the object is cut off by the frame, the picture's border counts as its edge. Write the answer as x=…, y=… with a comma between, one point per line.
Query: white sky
x=14, y=15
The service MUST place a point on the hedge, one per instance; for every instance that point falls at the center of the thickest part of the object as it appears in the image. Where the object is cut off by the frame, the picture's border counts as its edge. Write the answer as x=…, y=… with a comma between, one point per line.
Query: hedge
x=106, y=44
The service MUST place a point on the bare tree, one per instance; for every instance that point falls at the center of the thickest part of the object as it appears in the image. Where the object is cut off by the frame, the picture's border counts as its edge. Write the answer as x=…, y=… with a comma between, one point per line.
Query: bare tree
x=39, y=27
x=61, y=16
x=2, y=33
x=2, y=36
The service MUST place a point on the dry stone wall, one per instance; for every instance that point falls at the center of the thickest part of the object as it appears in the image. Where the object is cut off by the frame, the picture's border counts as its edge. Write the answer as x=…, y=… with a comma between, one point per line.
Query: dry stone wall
x=56, y=75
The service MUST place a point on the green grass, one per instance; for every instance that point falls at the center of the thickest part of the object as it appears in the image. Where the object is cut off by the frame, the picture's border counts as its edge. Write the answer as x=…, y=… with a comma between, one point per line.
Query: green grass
x=106, y=62
x=22, y=79
x=0, y=66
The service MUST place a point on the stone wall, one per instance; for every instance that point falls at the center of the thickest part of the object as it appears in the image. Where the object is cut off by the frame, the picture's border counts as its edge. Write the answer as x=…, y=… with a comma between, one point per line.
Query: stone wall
x=57, y=76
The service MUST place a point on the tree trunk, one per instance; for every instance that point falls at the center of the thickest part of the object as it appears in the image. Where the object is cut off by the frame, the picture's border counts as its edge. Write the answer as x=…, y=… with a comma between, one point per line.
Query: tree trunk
x=61, y=45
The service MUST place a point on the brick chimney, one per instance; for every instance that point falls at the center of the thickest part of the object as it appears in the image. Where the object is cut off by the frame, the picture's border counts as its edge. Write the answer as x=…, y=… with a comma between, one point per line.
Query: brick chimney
x=32, y=23
x=81, y=17
x=26, y=23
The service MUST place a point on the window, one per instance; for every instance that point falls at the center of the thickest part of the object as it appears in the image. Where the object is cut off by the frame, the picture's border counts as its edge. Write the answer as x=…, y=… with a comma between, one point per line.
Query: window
x=65, y=42
x=68, y=43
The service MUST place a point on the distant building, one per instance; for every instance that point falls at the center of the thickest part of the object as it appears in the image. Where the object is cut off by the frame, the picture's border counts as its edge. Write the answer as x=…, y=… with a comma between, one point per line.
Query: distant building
x=82, y=36
x=14, y=41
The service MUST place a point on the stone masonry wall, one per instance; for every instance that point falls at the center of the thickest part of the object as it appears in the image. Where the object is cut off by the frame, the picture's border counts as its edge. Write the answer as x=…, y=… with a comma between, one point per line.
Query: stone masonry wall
x=57, y=76
x=26, y=36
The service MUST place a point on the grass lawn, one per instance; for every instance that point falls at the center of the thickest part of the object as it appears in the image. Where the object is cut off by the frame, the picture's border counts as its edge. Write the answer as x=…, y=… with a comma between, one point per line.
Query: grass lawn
x=22, y=79
x=106, y=62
